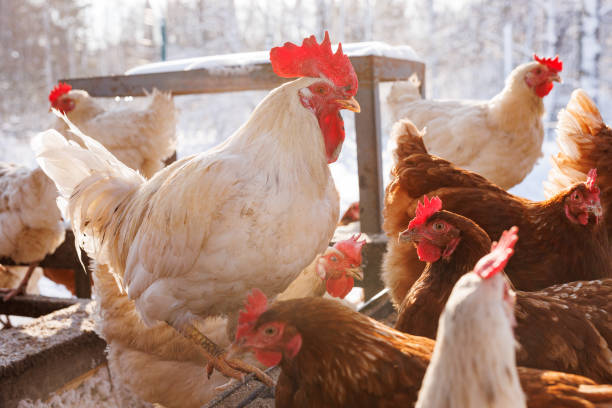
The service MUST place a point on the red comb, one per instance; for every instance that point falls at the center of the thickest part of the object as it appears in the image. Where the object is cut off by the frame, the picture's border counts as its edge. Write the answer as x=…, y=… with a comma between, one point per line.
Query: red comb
x=351, y=247
x=59, y=90
x=425, y=210
x=500, y=254
x=591, y=181
x=314, y=60
x=553, y=64
x=255, y=305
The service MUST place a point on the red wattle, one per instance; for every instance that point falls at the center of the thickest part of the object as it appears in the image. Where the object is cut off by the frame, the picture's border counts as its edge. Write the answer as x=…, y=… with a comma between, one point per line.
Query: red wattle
x=583, y=218
x=340, y=287
x=268, y=358
x=332, y=127
x=543, y=89
x=428, y=252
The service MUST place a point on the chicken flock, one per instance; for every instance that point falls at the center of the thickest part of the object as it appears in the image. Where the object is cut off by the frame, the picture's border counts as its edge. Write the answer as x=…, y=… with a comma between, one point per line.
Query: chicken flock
x=219, y=264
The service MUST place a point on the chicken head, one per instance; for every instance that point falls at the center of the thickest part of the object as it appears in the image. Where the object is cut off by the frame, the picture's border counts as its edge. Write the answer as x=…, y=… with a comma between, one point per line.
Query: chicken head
x=335, y=90
x=341, y=265
x=433, y=236
x=269, y=339
x=544, y=72
x=582, y=201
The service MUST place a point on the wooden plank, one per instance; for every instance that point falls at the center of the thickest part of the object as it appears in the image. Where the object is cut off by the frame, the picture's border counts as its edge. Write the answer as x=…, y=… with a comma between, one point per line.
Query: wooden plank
x=393, y=69
x=369, y=159
x=258, y=76
x=41, y=357
x=34, y=305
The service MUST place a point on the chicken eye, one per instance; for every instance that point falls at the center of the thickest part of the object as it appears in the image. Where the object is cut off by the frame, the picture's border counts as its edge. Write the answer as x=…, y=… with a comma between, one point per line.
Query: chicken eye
x=333, y=258
x=438, y=226
x=321, y=90
x=575, y=196
x=538, y=71
x=270, y=331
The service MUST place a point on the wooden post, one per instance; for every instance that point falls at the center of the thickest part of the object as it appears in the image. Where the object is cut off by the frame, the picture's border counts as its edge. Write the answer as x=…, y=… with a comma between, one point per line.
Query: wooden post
x=369, y=162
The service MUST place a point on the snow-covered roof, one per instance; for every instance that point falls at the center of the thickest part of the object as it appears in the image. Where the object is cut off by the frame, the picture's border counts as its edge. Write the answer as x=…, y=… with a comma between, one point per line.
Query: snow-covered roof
x=249, y=58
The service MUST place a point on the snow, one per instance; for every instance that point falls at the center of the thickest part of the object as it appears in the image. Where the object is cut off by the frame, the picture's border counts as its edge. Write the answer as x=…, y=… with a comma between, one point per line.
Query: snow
x=246, y=61
x=49, y=288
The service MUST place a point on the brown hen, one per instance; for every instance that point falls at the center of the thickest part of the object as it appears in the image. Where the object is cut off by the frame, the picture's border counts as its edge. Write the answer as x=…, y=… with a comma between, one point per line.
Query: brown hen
x=554, y=333
x=563, y=240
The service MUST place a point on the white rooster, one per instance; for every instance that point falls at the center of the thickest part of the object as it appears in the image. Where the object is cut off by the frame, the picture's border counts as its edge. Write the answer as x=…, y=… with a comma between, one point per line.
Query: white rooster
x=252, y=212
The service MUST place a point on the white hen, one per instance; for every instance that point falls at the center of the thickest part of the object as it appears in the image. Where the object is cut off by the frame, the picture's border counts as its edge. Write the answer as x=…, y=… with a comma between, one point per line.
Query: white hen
x=142, y=138
x=500, y=139
x=31, y=225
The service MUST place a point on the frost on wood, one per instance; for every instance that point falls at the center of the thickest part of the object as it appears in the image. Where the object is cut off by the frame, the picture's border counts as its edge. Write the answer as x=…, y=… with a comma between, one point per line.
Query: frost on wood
x=234, y=63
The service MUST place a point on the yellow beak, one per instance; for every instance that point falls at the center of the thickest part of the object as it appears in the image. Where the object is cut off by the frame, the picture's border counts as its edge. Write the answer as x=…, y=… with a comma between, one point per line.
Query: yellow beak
x=555, y=78
x=350, y=104
x=356, y=273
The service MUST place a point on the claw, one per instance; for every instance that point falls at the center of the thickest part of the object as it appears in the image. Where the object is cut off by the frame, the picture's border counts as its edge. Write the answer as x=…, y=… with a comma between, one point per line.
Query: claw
x=226, y=386
x=20, y=290
x=217, y=359
x=11, y=293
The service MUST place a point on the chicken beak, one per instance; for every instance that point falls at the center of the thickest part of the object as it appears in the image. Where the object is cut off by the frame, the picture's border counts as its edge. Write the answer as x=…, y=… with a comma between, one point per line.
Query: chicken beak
x=350, y=104
x=356, y=273
x=595, y=209
x=555, y=77
x=407, y=236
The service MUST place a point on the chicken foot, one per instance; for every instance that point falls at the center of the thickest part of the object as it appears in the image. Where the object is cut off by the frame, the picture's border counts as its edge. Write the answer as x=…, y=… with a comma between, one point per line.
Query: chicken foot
x=217, y=358
x=20, y=289
x=6, y=324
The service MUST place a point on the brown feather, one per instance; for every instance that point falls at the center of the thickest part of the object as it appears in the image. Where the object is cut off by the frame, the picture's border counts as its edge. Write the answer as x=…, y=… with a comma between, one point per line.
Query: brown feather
x=554, y=333
x=350, y=360
x=346, y=359
x=554, y=389
x=582, y=132
x=551, y=249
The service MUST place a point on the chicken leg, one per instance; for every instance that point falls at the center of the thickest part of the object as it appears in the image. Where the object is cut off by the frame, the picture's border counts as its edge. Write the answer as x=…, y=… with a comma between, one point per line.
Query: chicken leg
x=217, y=358
x=6, y=324
x=20, y=289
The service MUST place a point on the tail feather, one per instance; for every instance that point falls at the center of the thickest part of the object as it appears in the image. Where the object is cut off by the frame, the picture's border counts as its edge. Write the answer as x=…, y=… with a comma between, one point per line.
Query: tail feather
x=408, y=139
x=91, y=181
x=578, y=127
x=401, y=93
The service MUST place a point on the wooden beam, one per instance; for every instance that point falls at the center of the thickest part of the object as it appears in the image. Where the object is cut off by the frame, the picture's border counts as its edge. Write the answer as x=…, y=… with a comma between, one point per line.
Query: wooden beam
x=41, y=357
x=249, y=77
x=34, y=305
